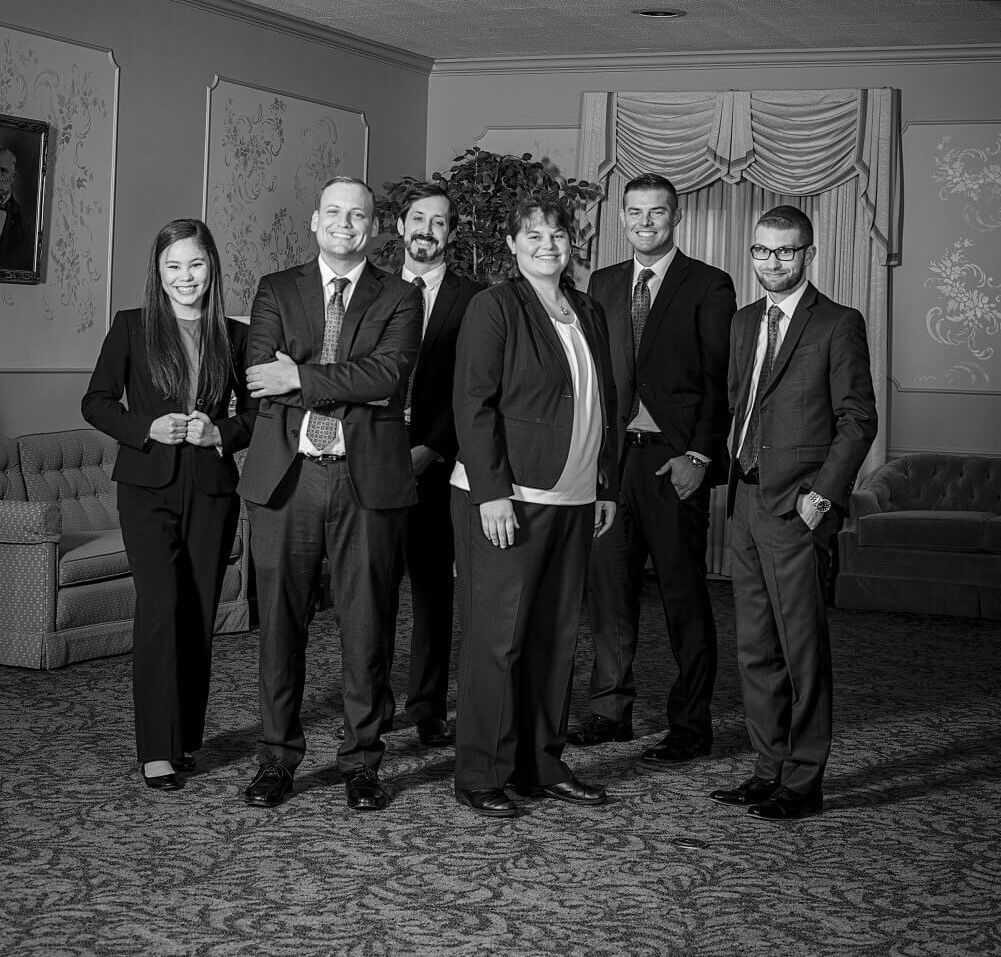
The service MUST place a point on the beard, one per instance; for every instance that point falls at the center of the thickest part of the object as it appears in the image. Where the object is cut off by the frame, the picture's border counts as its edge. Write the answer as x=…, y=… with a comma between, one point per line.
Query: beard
x=421, y=255
x=783, y=282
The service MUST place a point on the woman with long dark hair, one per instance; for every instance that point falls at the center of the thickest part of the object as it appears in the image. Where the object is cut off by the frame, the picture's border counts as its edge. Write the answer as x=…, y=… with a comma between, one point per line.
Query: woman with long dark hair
x=179, y=361
x=536, y=481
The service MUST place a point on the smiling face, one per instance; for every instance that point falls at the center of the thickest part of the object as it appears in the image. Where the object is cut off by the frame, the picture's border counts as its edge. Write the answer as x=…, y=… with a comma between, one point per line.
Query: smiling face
x=781, y=278
x=649, y=216
x=344, y=225
x=425, y=230
x=541, y=248
x=185, y=276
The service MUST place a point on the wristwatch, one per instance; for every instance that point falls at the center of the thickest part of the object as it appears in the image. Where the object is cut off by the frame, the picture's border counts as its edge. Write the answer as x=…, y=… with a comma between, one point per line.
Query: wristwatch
x=818, y=501
x=698, y=463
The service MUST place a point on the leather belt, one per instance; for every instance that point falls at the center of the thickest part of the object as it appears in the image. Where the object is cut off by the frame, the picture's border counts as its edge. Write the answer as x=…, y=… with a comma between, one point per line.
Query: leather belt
x=642, y=440
x=323, y=459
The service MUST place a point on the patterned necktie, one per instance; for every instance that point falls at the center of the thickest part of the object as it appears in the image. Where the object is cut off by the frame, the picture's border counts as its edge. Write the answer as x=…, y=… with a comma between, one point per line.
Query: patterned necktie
x=419, y=283
x=639, y=311
x=322, y=429
x=751, y=448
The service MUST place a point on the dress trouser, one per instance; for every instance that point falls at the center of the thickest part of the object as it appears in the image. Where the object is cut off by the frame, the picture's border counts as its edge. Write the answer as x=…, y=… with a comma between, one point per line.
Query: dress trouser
x=783, y=646
x=520, y=609
x=313, y=512
x=178, y=539
x=653, y=522
x=427, y=554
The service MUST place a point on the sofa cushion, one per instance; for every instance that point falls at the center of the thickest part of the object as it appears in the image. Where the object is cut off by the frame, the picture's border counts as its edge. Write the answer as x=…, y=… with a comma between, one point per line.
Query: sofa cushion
x=948, y=531
x=91, y=557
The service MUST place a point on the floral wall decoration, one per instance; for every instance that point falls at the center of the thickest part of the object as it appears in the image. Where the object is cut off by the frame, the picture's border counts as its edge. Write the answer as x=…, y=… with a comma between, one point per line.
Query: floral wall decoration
x=267, y=157
x=948, y=323
x=74, y=88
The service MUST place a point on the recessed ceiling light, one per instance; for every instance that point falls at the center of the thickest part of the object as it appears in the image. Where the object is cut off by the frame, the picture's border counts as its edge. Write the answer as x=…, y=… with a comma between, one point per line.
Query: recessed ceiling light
x=666, y=13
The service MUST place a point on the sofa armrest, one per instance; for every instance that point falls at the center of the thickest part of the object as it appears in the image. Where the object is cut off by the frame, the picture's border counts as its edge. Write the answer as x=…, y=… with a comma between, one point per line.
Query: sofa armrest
x=863, y=502
x=28, y=523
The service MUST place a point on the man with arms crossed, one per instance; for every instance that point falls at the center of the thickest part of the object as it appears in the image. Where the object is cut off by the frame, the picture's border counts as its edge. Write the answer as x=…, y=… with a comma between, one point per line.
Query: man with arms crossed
x=804, y=418
x=330, y=349
x=669, y=326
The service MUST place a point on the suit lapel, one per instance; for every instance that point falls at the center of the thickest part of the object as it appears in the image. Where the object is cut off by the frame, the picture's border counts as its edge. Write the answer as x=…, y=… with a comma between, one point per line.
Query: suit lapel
x=538, y=316
x=676, y=274
x=369, y=286
x=619, y=318
x=314, y=305
x=804, y=310
x=447, y=293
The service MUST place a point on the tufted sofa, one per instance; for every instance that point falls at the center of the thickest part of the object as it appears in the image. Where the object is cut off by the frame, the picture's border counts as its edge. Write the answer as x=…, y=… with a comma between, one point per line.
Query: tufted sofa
x=66, y=591
x=924, y=535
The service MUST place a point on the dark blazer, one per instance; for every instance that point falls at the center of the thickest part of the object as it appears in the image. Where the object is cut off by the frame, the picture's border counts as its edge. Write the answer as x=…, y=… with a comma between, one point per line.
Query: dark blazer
x=122, y=368
x=818, y=413
x=431, y=421
x=513, y=395
x=379, y=339
x=15, y=249
x=680, y=371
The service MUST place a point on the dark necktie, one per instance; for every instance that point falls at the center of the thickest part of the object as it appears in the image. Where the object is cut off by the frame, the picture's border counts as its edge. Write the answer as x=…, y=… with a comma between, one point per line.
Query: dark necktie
x=640, y=312
x=751, y=447
x=420, y=284
x=322, y=429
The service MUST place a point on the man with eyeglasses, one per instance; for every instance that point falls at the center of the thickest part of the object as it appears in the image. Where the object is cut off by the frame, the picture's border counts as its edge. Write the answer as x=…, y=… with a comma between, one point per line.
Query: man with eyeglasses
x=804, y=419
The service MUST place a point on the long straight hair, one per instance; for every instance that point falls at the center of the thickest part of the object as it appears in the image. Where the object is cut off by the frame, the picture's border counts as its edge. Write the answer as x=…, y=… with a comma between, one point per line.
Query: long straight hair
x=164, y=351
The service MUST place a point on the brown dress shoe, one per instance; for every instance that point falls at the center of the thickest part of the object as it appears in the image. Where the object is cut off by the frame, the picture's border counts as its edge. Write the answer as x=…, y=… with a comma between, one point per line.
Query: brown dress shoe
x=271, y=785
x=788, y=806
x=487, y=802
x=364, y=792
x=753, y=791
x=676, y=748
x=597, y=729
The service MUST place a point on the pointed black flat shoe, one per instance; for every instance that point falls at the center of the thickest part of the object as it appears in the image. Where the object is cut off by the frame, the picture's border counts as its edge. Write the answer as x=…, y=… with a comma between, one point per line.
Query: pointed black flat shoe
x=161, y=782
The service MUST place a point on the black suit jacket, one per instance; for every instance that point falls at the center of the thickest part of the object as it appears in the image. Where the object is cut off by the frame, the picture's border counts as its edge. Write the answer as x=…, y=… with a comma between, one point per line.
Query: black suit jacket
x=513, y=396
x=680, y=371
x=122, y=368
x=15, y=247
x=818, y=413
x=431, y=420
x=364, y=388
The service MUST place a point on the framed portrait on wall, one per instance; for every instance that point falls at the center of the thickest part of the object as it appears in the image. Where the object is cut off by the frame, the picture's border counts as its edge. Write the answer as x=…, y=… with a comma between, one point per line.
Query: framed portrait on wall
x=24, y=148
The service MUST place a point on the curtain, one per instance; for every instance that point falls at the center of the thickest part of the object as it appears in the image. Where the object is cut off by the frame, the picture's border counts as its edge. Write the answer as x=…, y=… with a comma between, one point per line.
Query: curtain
x=734, y=154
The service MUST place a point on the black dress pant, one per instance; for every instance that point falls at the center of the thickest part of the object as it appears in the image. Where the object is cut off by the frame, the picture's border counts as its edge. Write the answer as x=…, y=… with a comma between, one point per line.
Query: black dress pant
x=653, y=522
x=520, y=609
x=314, y=512
x=783, y=646
x=177, y=539
x=427, y=554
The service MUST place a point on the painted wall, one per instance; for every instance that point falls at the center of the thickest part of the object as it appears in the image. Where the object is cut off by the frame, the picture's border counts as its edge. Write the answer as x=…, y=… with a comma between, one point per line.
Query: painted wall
x=957, y=88
x=168, y=52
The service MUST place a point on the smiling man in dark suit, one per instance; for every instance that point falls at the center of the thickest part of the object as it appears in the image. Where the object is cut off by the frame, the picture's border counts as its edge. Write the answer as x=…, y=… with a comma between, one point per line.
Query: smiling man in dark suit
x=804, y=417
x=669, y=325
x=426, y=222
x=330, y=349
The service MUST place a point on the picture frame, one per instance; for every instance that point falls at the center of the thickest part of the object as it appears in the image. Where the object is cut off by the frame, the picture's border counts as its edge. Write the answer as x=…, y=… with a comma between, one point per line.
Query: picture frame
x=24, y=150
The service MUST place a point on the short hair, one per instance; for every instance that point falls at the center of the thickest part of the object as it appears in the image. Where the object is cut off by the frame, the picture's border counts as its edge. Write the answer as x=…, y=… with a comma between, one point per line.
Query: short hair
x=419, y=191
x=333, y=181
x=788, y=217
x=552, y=211
x=650, y=181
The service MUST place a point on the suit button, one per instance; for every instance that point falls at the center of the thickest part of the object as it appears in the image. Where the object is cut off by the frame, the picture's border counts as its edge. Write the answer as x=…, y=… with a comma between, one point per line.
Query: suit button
x=295, y=433
x=200, y=403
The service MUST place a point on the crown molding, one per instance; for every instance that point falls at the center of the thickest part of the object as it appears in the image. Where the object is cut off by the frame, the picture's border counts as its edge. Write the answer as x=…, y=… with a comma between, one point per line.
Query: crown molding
x=717, y=60
x=306, y=29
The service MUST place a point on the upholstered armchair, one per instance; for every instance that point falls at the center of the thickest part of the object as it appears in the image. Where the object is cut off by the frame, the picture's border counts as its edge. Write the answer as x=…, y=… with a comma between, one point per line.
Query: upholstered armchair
x=924, y=535
x=66, y=592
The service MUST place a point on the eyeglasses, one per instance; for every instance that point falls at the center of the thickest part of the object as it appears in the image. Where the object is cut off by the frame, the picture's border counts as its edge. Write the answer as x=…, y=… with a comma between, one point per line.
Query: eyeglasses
x=783, y=254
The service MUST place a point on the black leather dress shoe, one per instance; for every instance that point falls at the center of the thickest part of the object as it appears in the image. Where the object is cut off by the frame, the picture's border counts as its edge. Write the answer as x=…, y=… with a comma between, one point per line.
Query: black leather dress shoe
x=434, y=732
x=186, y=762
x=271, y=785
x=676, y=748
x=361, y=784
x=597, y=729
x=788, y=806
x=487, y=802
x=753, y=791
x=161, y=782
x=573, y=792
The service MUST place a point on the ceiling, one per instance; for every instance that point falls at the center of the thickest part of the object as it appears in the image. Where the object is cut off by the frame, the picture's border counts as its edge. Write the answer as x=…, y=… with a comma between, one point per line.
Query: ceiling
x=448, y=29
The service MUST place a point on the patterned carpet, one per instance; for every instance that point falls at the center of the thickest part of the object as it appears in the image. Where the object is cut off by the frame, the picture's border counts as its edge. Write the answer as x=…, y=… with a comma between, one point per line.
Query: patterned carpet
x=905, y=861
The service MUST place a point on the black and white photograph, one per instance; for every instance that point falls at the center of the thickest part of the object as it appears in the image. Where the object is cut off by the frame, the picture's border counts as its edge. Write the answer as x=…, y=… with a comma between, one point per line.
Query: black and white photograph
x=23, y=154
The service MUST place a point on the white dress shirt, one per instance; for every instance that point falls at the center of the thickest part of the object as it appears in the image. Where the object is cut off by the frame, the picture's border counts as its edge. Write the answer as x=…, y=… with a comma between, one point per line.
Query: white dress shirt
x=327, y=276
x=432, y=283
